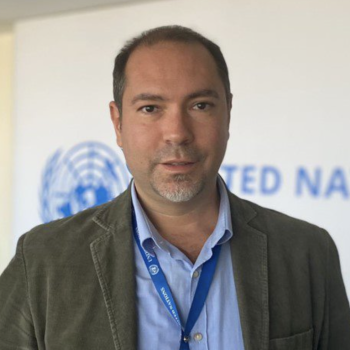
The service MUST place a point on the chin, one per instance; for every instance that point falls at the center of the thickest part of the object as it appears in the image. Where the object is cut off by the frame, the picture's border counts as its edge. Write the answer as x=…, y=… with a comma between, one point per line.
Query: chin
x=181, y=189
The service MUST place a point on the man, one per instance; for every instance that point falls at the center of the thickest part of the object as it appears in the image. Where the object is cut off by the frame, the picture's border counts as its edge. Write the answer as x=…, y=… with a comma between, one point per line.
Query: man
x=125, y=275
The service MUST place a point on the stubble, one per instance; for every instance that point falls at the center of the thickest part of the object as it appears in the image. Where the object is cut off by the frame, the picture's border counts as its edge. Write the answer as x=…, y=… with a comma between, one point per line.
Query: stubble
x=177, y=187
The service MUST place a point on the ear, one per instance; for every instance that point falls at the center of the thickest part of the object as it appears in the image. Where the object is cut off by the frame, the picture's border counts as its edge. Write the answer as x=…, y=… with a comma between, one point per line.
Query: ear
x=117, y=122
x=229, y=108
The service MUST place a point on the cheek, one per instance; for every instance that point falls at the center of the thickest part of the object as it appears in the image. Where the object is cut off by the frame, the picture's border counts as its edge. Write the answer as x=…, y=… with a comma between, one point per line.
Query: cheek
x=216, y=145
x=216, y=136
x=139, y=143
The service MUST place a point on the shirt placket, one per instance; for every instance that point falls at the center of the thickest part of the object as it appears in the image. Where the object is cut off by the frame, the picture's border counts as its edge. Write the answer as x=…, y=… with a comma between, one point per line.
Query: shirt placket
x=198, y=336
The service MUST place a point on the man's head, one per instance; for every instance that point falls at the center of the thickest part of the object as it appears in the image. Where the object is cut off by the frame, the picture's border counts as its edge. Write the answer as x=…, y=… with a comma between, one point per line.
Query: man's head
x=170, y=34
x=176, y=112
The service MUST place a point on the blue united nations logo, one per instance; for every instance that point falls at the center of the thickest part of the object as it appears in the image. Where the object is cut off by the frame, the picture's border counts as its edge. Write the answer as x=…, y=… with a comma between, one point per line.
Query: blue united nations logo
x=153, y=269
x=89, y=174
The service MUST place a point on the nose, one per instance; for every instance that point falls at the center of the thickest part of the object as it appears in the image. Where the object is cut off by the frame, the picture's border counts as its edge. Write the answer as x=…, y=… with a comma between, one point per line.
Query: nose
x=178, y=127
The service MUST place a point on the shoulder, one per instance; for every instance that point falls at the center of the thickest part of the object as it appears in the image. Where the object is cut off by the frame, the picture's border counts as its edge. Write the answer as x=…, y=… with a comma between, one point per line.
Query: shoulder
x=273, y=220
x=78, y=226
x=296, y=249
x=282, y=230
x=67, y=236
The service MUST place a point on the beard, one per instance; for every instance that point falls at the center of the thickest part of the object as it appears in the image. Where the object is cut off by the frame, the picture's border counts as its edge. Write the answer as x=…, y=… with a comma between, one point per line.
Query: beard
x=176, y=187
x=179, y=188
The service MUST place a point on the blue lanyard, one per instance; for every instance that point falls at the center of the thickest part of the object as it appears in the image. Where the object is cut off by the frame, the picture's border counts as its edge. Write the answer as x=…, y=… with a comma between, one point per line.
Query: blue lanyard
x=162, y=287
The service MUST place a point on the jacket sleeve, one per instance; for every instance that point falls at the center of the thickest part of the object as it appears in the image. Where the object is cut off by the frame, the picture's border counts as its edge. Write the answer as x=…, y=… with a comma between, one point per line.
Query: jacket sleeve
x=336, y=327
x=16, y=325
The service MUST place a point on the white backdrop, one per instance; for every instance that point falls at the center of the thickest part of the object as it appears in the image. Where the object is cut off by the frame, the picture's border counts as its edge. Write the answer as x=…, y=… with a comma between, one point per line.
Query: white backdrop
x=290, y=76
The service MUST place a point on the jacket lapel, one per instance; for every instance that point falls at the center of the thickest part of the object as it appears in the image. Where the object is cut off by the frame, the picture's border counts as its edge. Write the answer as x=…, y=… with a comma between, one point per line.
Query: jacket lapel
x=113, y=257
x=249, y=260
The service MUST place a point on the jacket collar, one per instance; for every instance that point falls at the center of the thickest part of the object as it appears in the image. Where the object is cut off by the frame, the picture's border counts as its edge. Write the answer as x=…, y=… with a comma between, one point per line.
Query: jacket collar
x=113, y=257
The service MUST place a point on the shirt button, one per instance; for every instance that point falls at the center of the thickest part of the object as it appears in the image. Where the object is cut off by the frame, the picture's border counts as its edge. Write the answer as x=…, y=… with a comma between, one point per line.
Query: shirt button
x=195, y=274
x=198, y=337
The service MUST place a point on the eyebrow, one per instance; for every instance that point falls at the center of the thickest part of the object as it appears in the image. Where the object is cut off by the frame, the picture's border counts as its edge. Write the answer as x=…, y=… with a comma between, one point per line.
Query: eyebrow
x=147, y=97
x=153, y=97
x=204, y=93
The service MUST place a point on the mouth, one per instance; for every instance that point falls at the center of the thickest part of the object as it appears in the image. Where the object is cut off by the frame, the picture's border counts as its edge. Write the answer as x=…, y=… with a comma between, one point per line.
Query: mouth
x=178, y=165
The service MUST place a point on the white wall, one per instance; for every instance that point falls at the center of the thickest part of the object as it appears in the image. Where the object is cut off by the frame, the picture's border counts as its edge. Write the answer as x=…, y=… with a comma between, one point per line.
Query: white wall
x=6, y=154
x=290, y=73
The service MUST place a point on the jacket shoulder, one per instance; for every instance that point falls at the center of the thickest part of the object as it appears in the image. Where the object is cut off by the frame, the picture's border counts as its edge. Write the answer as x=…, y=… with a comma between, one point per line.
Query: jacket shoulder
x=62, y=237
x=280, y=227
x=77, y=224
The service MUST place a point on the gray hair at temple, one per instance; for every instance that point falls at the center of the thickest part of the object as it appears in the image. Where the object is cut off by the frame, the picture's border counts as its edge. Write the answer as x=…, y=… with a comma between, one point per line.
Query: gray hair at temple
x=153, y=36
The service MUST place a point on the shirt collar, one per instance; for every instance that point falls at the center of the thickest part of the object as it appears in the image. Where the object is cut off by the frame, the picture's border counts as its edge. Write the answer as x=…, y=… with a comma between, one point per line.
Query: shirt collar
x=149, y=236
x=146, y=229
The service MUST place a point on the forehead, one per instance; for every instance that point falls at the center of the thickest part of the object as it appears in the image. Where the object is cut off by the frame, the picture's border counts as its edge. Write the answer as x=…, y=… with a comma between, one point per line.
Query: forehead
x=172, y=66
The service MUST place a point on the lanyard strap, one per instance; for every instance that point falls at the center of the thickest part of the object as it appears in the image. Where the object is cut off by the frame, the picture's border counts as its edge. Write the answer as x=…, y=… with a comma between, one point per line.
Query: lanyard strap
x=162, y=287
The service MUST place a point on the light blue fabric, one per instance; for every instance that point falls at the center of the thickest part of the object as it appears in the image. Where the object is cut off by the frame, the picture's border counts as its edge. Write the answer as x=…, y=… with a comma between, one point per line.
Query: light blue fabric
x=218, y=326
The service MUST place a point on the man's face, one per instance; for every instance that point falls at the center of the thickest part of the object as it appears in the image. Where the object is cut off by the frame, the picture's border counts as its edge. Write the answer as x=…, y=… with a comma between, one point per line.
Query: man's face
x=175, y=120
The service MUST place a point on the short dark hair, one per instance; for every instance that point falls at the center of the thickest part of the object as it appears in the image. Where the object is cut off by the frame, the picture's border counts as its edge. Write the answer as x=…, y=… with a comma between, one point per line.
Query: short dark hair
x=153, y=36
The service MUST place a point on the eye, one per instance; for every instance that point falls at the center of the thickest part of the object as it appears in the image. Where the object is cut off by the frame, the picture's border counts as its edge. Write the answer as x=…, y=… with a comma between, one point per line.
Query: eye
x=202, y=106
x=149, y=109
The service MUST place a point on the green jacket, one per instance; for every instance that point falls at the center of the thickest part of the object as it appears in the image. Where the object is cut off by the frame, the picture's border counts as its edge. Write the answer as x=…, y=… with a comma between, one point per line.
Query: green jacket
x=71, y=284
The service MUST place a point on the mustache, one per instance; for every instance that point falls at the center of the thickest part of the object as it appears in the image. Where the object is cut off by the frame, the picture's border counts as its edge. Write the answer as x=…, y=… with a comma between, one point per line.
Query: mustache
x=189, y=153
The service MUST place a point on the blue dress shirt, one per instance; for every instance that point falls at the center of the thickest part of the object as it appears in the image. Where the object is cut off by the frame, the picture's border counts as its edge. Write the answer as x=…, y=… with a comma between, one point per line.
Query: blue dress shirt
x=218, y=326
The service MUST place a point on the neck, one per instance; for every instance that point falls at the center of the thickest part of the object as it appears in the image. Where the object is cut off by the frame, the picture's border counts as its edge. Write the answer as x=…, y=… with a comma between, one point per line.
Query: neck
x=187, y=225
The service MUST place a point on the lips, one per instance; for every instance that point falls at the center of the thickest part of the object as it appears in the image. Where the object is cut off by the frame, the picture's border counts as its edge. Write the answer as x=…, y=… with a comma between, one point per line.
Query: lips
x=178, y=162
x=178, y=165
